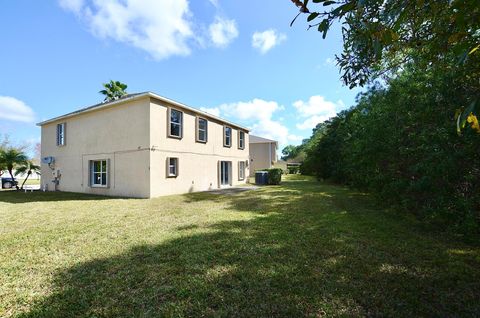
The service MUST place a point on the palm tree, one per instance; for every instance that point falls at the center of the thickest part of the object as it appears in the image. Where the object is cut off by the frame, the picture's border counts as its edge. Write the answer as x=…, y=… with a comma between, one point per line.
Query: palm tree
x=27, y=167
x=2, y=165
x=113, y=90
x=11, y=158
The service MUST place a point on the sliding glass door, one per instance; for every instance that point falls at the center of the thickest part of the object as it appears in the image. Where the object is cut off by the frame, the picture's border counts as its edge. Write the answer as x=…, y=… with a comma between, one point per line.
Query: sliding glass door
x=225, y=173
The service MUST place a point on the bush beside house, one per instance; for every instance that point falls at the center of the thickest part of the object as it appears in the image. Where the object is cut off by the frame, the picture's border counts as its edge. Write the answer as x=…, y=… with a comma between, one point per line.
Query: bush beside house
x=274, y=176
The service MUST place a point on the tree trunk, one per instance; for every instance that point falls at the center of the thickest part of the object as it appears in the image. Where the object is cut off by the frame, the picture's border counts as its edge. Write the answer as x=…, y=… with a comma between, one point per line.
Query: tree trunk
x=25, y=180
x=13, y=179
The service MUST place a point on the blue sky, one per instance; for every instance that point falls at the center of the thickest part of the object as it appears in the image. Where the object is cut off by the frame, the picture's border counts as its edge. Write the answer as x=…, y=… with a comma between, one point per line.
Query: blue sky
x=237, y=59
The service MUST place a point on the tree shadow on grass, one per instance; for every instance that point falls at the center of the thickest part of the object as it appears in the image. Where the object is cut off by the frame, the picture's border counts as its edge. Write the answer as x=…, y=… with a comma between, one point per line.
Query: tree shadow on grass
x=319, y=252
x=14, y=196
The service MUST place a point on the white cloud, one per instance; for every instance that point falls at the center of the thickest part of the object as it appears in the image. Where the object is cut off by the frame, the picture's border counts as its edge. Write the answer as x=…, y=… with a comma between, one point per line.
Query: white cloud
x=15, y=110
x=257, y=109
x=317, y=109
x=311, y=122
x=215, y=111
x=259, y=113
x=295, y=138
x=214, y=3
x=266, y=40
x=222, y=32
x=161, y=28
x=329, y=61
x=72, y=5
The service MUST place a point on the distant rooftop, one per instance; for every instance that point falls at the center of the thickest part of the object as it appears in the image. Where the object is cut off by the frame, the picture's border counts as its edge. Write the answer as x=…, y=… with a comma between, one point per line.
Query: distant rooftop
x=260, y=140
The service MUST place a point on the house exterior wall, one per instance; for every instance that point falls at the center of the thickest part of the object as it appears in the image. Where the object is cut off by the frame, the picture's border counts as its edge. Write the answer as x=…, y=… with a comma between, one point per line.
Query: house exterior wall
x=198, y=162
x=119, y=134
x=133, y=137
x=262, y=156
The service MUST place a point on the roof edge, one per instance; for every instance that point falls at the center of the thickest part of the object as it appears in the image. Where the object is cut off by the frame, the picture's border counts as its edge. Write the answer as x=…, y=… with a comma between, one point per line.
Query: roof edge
x=195, y=110
x=136, y=97
x=93, y=108
x=261, y=140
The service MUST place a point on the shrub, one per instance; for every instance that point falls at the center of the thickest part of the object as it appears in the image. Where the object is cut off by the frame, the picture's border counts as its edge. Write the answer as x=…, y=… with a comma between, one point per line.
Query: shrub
x=400, y=143
x=293, y=169
x=274, y=175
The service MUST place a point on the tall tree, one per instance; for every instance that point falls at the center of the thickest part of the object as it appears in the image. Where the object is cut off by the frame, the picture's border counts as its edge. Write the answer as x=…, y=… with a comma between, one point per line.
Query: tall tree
x=11, y=158
x=28, y=167
x=381, y=36
x=113, y=90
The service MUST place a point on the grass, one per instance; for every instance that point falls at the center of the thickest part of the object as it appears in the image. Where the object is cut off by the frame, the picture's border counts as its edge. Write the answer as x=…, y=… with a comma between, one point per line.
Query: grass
x=30, y=181
x=300, y=249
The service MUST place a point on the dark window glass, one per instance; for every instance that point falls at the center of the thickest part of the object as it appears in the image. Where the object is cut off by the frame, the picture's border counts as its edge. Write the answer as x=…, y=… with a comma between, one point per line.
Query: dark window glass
x=241, y=140
x=172, y=167
x=202, y=129
x=99, y=173
x=61, y=134
x=228, y=136
x=176, y=118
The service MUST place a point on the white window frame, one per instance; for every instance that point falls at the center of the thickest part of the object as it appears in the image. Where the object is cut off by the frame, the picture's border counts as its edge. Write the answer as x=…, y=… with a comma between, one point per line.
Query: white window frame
x=241, y=170
x=205, y=130
x=170, y=123
x=170, y=165
x=241, y=141
x=101, y=172
x=61, y=140
x=225, y=128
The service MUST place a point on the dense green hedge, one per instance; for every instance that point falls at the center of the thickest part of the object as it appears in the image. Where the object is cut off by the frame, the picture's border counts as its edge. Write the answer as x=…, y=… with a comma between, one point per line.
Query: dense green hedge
x=293, y=169
x=400, y=143
x=274, y=176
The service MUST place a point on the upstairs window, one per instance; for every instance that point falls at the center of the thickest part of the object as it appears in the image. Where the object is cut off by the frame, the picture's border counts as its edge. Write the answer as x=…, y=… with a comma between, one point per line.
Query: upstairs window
x=202, y=129
x=241, y=140
x=227, y=136
x=172, y=167
x=99, y=173
x=61, y=134
x=175, y=123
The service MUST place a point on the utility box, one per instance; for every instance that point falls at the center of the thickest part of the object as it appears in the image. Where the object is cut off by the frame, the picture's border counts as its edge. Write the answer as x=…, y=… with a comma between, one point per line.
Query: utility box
x=261, y=177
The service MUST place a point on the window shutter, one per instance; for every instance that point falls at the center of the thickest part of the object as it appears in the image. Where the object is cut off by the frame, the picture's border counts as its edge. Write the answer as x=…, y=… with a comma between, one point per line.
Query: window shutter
x=167, y=170
x=108, y=173
x=177, y=167
x=181, y=124
x=219, y=176
x=169, y=116
x=64, y=134
x=90, y=169
x=197, y=127
x=224, y=136
x=58, y=134
x=239, y=168
x=206, y=130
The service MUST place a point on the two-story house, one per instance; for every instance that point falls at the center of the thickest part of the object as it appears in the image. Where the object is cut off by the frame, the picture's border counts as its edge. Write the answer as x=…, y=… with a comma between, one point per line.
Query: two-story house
x=142, y=145
x=263, y=153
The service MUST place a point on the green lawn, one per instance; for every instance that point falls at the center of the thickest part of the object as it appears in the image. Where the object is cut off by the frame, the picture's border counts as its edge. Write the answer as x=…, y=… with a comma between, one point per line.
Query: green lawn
x=30, y=181
x=300, y=249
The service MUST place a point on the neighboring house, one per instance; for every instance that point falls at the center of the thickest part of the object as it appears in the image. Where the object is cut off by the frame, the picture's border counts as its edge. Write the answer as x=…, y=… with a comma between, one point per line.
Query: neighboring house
x=142, y=145
x=263, y=153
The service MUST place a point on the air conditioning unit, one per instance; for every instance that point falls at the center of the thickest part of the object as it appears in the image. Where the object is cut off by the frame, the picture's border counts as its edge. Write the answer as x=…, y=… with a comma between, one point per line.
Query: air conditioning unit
x=48, y=160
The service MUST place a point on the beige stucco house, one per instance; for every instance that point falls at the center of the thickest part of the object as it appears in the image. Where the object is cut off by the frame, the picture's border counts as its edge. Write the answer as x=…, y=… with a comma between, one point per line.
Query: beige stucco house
x=143, y=145
x=263, y=153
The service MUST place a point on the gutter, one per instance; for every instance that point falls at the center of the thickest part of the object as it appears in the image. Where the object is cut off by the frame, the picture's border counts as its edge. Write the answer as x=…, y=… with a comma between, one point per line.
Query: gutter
x=137, y=97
